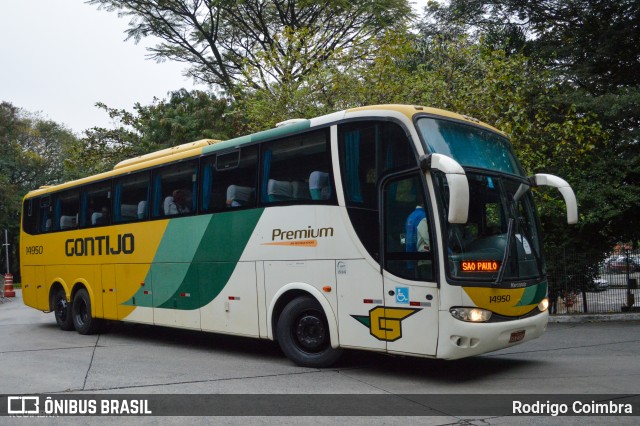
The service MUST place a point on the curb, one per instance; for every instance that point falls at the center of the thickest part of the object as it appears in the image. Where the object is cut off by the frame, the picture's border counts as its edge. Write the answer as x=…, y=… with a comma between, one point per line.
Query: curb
x=594, y=318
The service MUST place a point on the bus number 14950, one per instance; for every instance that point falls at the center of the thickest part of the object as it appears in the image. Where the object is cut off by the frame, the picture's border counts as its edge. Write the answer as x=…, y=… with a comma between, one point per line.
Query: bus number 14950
x=499, y=299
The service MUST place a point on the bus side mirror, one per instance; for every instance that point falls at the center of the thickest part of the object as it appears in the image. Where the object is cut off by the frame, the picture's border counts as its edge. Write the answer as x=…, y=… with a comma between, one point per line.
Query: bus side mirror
x=565, y=190
x=457, y=181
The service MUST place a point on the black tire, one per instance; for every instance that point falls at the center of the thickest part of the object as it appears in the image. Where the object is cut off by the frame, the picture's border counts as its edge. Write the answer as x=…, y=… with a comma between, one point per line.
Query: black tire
x=303, y=334
x=62, y=310
x=83, y=322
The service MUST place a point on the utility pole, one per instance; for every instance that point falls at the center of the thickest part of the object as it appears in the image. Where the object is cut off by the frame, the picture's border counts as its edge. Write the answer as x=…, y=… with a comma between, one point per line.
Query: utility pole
x=8, y=278
x=6, y=249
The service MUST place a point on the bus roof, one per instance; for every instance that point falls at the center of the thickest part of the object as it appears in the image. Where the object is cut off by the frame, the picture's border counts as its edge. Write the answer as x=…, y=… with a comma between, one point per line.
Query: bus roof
x=205, y=146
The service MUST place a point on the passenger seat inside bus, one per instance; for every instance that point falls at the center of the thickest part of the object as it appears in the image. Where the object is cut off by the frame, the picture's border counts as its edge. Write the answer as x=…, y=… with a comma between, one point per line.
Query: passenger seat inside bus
x=142, y=209
x=95, y=218
x=166, y=205
x=239, y=196
x=279, y=190
x=319, y=185
x=283, y=190
x=68, y=222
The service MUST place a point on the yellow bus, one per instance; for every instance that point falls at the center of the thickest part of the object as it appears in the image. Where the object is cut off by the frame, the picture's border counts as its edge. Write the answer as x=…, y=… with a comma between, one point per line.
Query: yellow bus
x=392, y=228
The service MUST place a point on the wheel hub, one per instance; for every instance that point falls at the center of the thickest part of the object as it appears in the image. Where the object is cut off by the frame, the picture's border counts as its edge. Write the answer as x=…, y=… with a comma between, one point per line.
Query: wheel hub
x=310, y=332
x=82, y=315
x=62, y=308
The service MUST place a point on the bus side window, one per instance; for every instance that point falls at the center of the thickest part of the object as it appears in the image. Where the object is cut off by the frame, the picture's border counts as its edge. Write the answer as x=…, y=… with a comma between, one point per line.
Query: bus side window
x=368, y=151
x=96, y=205
x=45, y=214
x=66, y=207
x=175, y=190
x=30, y=216
x=395, y=150
x=358, y=160
x=129, y=191
x=296, y=170
x=229, y=180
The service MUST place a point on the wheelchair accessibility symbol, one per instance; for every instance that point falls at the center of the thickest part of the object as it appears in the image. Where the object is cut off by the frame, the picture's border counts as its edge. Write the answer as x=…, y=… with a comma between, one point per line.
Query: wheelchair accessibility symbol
x=402, y=295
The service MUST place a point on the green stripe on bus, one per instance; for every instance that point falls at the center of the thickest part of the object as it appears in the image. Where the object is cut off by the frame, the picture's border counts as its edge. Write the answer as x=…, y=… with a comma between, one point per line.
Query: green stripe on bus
x=196, y=258
x=219, y=251
x=533, y=295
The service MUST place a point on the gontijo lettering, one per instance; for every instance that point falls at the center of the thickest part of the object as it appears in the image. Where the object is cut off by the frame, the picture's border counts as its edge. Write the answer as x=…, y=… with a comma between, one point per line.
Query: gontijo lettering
x=100, y=245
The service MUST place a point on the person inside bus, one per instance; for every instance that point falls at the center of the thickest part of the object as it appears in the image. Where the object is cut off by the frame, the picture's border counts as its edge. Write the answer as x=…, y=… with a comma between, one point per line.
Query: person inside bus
x=422, y=243
x=176, y=203
x=417, y=240
x=411, y=228
x=239, y=196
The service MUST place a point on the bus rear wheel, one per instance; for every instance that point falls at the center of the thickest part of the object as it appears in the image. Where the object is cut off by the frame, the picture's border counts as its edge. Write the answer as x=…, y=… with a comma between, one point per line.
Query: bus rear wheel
x=62, y=310
x=303, y=334
x=83, y=322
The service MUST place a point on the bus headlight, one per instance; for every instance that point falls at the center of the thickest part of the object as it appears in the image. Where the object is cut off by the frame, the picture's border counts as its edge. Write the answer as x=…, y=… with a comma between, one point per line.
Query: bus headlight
x=543, y=305
x=471, y=314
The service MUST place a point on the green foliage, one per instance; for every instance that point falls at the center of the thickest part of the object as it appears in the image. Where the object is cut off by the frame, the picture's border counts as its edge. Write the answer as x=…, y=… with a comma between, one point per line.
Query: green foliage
x=32, y=154
x=376, y=80
x=252, y=44
x=590, y=50
x=184, y=117
x=100, y=149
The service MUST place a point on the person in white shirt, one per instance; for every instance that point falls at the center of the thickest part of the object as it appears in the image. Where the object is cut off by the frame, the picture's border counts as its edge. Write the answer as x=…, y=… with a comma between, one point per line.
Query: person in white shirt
x=176, y=204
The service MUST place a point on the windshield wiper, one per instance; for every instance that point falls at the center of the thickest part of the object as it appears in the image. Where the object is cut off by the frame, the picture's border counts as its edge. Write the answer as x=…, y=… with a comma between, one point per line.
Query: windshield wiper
x=507, y=253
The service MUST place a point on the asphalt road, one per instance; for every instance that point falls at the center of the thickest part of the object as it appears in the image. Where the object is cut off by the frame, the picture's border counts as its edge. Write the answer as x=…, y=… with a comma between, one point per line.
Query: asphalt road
x=571, y=358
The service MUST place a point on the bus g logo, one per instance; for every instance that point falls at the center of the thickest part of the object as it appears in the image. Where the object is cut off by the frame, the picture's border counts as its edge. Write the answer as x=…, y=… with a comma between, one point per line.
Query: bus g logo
x=385, y=323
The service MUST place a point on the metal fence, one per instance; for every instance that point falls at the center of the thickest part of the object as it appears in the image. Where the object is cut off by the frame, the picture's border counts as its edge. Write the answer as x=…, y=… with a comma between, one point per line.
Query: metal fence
x=580, y=283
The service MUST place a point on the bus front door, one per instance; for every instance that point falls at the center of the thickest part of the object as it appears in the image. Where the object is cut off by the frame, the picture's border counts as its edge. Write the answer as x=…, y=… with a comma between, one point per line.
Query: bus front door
x=410, y=317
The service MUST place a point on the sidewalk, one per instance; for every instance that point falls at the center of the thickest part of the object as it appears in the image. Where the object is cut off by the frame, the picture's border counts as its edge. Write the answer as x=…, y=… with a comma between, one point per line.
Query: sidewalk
x=632, y=316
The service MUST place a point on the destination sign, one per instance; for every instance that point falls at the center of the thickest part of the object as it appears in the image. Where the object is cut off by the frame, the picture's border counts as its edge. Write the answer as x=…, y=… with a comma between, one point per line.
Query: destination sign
x=480, y=266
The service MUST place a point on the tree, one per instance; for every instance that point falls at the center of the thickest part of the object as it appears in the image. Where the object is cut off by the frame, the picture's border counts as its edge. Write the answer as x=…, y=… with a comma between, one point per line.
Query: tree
x=595, y=43
x=184, y=117
x=32, y=154
x=10, y=161
x=252, y=44
x=591, y=48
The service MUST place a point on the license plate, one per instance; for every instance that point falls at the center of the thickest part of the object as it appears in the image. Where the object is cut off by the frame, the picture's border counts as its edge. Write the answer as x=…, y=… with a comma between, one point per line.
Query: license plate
x=516, y=336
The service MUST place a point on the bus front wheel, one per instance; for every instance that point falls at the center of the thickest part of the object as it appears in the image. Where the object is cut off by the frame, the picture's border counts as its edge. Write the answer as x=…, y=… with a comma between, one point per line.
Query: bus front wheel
x=81, y=309
x=62, y=310
x=303, y=334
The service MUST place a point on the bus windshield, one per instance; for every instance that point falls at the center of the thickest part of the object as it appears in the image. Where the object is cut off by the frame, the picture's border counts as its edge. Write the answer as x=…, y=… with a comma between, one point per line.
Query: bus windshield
x=471, y=146
x=500, y=242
